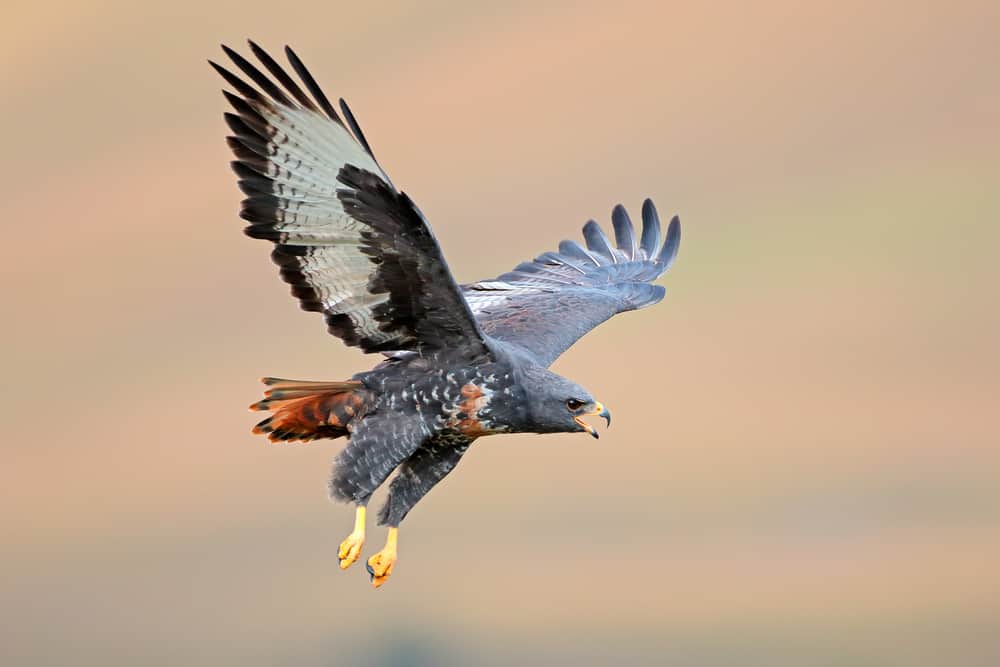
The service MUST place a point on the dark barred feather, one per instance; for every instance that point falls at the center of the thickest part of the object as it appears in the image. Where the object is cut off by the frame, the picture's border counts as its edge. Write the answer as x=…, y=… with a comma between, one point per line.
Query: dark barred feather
x=347, y=242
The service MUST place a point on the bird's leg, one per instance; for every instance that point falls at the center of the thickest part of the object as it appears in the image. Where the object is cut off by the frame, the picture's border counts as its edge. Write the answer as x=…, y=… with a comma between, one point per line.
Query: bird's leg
x=350, y=548
x=380, y=565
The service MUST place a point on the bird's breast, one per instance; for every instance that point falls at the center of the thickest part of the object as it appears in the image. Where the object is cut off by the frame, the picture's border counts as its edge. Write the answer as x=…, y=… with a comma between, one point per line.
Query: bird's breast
x=458, y=400
x=466, y=415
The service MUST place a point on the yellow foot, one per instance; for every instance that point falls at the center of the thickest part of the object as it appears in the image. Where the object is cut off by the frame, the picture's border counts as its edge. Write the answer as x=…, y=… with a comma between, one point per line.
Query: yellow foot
x=350, y=549
x=380, y=565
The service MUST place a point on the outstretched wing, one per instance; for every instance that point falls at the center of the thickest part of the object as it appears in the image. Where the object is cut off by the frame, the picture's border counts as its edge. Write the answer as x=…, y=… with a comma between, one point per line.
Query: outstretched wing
x=350, y=244
x=546, y=305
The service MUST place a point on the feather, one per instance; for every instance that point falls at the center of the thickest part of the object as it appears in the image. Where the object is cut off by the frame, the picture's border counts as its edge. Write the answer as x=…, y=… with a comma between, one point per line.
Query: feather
x=278, y=72
x=670, y=246
x=307, y=411
x=577, y=251
x=554, y=259
x=624, y=236
x=650, y=229
x=355, y=127
x=311, y=84
x=258, y=77
x=596, y=240
x=239, y=84
x=545, y=305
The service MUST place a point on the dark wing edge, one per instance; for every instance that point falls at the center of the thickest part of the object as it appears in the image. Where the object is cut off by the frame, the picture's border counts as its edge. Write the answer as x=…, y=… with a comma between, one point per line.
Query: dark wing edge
x=350, y=245
x=545, y=305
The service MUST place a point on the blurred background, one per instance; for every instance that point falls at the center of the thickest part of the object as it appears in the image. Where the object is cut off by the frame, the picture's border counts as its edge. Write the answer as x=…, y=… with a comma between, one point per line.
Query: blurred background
x=804, y=466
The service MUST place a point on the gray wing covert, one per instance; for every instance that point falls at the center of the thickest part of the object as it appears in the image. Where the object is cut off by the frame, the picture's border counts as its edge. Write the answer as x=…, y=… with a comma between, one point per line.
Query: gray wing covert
x=546, y=305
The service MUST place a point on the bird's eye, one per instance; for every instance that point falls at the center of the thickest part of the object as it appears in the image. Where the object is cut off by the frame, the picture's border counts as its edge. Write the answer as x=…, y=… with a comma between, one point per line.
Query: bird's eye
x=574, y=404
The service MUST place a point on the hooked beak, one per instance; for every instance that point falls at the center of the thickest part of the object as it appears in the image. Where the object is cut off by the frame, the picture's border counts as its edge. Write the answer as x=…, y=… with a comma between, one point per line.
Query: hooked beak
x=600, y=411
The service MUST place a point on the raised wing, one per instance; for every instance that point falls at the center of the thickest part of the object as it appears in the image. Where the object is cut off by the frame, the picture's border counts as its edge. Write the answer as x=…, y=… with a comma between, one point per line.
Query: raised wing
x=546, y=305
x=351, y=245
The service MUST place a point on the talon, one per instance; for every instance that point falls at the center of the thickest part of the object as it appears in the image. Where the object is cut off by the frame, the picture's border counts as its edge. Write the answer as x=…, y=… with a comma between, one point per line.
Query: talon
x=380, y=565
x=350, y=548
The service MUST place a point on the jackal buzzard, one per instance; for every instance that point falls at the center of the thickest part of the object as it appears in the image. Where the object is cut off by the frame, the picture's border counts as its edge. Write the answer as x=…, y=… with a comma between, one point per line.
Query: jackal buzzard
x=462, y=361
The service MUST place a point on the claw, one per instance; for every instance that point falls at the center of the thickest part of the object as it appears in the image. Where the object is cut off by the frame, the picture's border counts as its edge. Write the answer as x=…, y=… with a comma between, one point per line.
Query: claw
x=350, y=550
x=380, y=565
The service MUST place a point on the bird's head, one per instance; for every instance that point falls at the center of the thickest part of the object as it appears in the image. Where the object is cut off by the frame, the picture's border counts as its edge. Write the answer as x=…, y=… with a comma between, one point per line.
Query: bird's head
x=557, y=405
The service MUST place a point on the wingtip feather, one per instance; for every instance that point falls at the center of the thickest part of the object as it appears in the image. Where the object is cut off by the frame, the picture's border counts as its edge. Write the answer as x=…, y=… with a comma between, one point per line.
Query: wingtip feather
x=597, y=241
x=355, y=126
x=669, y=252
x=624, y=232
x=650, y=241
x=311, y=85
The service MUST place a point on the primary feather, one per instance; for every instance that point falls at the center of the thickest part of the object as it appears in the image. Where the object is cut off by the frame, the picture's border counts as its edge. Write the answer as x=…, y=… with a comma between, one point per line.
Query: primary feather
x=350, y=245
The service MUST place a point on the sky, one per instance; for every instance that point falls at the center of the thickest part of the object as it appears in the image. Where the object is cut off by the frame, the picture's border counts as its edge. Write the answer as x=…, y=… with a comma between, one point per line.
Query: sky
x=804, y=463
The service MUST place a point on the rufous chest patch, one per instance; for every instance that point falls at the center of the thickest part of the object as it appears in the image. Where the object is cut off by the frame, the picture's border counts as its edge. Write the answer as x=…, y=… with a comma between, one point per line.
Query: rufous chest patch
x=465, y=415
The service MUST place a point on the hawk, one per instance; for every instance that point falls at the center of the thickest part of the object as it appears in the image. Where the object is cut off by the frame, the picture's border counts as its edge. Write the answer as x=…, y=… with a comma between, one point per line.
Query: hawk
x=460, y=361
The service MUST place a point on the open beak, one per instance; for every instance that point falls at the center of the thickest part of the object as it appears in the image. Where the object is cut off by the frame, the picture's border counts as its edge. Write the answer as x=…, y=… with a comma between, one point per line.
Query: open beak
x=600, y=411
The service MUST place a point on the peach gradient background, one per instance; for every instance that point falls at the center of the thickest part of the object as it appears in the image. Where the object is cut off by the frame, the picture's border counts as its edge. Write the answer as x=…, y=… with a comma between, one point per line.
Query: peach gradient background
x=804, y=465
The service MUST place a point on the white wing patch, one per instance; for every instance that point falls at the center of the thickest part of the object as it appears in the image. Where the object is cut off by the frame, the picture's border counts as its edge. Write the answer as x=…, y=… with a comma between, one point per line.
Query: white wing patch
x=308, y=152
x=298, y=154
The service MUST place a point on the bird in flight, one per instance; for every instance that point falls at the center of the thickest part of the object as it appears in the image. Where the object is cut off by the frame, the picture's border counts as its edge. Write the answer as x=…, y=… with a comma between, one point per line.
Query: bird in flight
x=460, y=361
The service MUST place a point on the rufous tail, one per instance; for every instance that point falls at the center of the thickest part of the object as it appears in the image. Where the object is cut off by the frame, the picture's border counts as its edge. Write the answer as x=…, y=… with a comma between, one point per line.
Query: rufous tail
x=303, y=410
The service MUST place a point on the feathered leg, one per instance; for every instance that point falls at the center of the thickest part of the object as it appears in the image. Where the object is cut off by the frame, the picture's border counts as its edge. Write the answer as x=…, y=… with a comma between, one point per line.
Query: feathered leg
x=418, y=475
x=377, y=446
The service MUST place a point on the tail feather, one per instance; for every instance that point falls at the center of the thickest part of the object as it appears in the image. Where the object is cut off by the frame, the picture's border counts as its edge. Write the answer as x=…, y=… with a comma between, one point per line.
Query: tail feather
x=305, y=410
x=282, y=389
